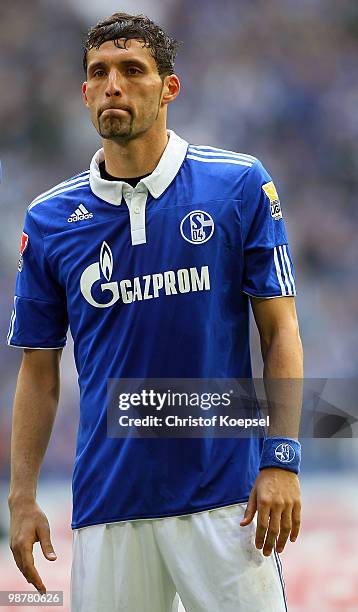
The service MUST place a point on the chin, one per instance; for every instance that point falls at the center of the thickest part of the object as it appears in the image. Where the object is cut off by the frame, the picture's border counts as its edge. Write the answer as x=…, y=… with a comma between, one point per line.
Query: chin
x=115, y=131
x=112, y=134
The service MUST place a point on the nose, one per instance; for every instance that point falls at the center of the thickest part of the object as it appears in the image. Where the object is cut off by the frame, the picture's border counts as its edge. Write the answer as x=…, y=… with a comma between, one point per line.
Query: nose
x=114, y=87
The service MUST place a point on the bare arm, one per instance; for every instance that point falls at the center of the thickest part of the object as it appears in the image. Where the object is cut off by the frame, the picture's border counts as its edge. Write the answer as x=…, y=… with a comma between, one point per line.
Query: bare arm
x=34, y=412
x=282, y=355
x=276, y=492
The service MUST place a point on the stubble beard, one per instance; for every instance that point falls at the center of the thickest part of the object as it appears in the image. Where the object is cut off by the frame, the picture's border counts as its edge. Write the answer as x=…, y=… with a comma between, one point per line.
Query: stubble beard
x=114, y=127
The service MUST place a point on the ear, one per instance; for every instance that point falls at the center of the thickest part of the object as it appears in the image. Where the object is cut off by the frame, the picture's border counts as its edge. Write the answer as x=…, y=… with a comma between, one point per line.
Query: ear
x=84, y=93
x=171, y=88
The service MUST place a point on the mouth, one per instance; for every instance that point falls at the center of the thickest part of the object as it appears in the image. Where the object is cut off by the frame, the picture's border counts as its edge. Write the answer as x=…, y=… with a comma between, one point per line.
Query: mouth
x=114, y=110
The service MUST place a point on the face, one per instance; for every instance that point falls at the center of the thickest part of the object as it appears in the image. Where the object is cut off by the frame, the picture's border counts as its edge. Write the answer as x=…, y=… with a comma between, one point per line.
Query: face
x=124, y=91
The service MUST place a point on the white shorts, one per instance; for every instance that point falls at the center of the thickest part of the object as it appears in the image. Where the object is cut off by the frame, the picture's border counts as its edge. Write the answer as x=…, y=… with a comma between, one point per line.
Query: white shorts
x=206, y=558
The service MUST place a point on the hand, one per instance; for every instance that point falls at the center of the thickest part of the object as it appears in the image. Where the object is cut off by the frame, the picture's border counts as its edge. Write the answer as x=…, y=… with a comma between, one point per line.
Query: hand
x=276, y=497
x=29, y=525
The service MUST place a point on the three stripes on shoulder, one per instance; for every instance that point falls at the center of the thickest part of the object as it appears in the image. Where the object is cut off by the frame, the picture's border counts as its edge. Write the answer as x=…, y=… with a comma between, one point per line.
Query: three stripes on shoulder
x=209, y=155
x=75, y=183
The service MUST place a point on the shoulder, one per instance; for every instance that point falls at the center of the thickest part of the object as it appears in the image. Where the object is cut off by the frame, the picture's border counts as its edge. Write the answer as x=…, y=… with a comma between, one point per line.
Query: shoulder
x=79, y=181
x=213, y=157
x=51, y=209
x=223, y=158
x=228, y=170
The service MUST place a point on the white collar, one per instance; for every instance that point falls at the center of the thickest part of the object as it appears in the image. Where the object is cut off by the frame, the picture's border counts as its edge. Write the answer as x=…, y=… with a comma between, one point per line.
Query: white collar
x=156, y=183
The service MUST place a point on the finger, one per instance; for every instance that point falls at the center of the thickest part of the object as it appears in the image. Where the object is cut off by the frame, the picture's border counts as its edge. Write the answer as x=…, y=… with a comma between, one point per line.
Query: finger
x=250, y=510
x=273, y=531
x=285, y=529
x=43, y=533
x=16, y=550
x=29, y=570
x=263, y=515
x=296, y=522
x=18, y=559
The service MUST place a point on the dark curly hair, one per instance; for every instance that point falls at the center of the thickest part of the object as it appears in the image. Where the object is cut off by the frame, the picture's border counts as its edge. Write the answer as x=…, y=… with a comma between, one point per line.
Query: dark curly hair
x=122, y=25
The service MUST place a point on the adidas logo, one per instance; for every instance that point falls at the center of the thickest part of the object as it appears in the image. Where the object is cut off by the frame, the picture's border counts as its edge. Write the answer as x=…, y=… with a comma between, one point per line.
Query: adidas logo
x=80, y=214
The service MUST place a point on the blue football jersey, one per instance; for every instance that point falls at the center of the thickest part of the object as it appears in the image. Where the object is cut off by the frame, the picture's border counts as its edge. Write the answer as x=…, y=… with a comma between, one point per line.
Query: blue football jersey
x=154, y=282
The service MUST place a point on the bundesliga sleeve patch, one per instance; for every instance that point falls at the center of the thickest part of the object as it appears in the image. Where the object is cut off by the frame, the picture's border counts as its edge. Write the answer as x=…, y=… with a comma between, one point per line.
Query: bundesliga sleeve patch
x=23, y=244
x=275, y=206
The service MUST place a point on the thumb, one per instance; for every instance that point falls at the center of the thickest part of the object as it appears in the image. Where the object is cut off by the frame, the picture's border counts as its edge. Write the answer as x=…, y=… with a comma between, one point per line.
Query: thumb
x=250, y=509
x=45, y=543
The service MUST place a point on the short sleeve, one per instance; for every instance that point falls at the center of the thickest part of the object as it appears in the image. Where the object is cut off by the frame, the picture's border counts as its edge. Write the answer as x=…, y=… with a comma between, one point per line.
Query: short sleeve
x=268, y=267
x=39, y=318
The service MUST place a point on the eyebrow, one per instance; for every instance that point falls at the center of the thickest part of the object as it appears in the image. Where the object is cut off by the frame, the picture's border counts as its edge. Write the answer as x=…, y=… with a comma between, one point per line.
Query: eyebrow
x=125, y=62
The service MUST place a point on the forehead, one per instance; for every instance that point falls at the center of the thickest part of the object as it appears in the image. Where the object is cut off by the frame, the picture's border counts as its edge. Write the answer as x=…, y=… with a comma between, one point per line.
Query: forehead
x=109, y=52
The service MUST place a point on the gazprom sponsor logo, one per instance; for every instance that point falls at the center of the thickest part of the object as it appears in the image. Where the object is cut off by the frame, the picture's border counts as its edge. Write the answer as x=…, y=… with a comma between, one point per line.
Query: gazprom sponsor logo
x=146, y=287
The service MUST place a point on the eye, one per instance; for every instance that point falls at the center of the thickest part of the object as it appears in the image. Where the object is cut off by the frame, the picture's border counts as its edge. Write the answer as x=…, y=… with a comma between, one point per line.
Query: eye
x=133, y=70
x=98, y=73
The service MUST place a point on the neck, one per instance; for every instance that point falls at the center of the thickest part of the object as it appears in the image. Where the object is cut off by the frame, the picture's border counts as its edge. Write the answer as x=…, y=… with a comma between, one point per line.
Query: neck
x=135, y=157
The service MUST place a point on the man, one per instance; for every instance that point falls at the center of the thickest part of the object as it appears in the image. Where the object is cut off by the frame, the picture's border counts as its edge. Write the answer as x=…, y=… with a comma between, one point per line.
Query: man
x=153, y=257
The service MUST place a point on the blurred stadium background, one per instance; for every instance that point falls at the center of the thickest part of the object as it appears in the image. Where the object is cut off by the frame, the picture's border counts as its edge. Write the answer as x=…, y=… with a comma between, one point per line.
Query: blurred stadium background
x=275, y=79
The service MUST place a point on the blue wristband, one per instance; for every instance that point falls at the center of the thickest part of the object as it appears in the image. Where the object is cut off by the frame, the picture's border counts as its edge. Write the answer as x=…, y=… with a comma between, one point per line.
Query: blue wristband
x=282, y=453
